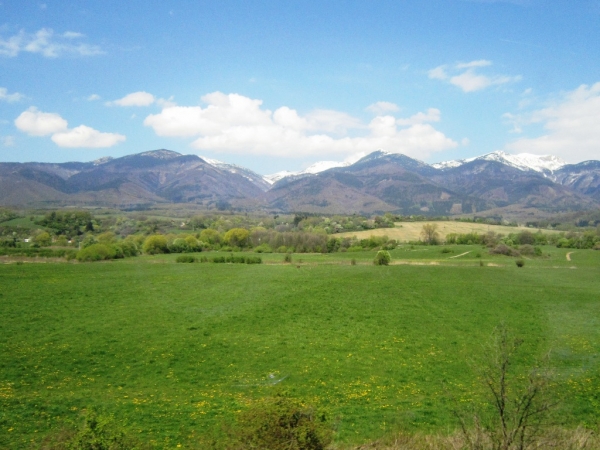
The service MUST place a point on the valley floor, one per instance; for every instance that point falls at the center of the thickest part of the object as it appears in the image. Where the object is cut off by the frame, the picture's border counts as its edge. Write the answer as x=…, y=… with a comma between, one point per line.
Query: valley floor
x=173, y=350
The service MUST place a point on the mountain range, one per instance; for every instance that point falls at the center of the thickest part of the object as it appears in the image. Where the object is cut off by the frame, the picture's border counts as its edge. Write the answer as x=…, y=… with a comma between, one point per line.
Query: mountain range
x=492, y=184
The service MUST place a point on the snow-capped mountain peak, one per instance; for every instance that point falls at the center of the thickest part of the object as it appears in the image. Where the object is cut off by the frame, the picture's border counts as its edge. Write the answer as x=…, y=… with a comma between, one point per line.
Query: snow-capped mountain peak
x=275, y=177
x=322, y=166
x=257, y=179
x=315, y=168
x=521, y=161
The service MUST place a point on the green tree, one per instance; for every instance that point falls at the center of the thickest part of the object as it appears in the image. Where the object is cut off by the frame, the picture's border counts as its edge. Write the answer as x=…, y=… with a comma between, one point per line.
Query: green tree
x=210, y=236
x=61, y=241
x=429, y=233
x=43, y=239
x=156, y=243
x=108, y=237
x=193, y=244
x=237, y=237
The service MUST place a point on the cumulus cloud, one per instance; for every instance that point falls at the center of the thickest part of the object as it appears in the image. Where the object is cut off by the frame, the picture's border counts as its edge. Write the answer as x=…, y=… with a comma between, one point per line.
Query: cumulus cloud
x=10, y=98
x=237, y=124
x=38, y=123
x=93, y=98
x=432, y=115
x=466, y=77
x=379, y=108
x=47, y=43
x=139, y=98
x=570, y=124
x=86, y=137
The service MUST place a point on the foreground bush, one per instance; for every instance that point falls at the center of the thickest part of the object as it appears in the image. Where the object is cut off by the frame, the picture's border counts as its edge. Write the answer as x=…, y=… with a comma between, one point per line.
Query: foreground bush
x=281, y=423
x=96, y=433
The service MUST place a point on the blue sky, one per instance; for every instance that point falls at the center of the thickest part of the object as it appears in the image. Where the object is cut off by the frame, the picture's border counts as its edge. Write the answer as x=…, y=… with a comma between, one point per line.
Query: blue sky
x=274, y=85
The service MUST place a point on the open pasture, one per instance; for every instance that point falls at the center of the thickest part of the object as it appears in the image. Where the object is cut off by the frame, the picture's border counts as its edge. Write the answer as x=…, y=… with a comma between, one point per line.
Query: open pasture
x=411, y=231
x=172, y=349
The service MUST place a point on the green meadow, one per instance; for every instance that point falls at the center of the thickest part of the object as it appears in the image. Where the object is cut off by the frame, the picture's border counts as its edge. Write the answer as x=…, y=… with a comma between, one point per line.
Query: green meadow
x=173, y=350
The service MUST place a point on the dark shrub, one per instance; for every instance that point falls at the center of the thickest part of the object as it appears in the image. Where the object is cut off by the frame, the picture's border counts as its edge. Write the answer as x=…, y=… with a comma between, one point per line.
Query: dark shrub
x=520, y=262
x=527, y=250
x=287, y=258
x=186, y=259
x=253, y=260
x=526, y=237
x=263, y=248
x=503, y=249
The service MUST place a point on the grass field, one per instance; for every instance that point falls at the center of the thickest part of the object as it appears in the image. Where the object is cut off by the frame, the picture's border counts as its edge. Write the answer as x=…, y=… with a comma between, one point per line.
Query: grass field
x=171, y=349
x=411, y=231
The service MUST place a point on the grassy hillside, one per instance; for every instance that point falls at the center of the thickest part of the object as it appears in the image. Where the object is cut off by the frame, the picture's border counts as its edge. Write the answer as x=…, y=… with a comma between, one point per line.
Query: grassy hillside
x=411, y=231
x=171, y=349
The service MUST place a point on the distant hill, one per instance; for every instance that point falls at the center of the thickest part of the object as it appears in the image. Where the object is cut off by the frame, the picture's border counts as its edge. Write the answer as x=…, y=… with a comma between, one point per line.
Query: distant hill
x=379, y=182
x=159, y=176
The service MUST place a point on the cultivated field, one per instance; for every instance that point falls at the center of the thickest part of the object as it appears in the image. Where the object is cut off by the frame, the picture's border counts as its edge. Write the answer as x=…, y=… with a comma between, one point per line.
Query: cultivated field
x=173, y=350
x=411, y=231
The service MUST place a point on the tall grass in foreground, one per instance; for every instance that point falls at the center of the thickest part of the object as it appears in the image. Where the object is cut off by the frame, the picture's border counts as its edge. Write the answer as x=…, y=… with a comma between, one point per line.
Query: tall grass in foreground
x=553, y=438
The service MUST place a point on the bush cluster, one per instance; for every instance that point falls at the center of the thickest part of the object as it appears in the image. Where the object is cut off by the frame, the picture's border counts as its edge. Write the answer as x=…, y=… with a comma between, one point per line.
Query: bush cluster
x=503, y=249
x=241, y=259
x=41, y=252
x=186, y=259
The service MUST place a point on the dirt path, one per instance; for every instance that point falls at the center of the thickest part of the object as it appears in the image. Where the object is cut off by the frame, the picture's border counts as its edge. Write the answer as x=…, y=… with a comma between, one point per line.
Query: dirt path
x=569, y=256
x=458, y=256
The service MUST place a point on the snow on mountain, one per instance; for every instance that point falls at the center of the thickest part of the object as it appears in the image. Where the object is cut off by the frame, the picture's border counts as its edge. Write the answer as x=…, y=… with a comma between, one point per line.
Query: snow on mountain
x=317, y=167
x=322, y=166
x=257, y=179
x=522, y=161
x=102, y=160
x=275, y=177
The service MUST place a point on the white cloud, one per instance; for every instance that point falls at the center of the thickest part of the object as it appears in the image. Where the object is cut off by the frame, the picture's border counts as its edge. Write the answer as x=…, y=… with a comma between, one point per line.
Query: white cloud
x=466, y=77
x=47, y=43
x=93, y=98
x=571, y=127
x=8, y=141
x=439, y=73
x=237, y=124
x=72, y=35
x=10, y=98
x=38, y=123
x=380, y=108
x=432, y=115
x=84, y=136
x=472, y=64
x=139, y=98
